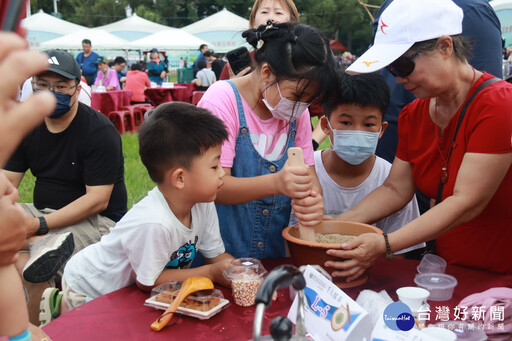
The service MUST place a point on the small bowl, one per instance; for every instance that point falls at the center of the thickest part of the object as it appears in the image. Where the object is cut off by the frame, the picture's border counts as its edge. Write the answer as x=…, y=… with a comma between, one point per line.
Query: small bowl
x=304, y=252
x=441, y=286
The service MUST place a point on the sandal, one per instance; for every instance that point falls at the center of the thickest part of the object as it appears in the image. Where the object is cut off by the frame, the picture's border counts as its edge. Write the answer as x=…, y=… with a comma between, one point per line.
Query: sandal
x=49, y=308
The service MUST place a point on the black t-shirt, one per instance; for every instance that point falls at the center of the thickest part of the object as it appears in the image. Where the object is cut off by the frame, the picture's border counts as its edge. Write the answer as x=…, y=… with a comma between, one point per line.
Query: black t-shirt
x=89, y=152
x=217, y=66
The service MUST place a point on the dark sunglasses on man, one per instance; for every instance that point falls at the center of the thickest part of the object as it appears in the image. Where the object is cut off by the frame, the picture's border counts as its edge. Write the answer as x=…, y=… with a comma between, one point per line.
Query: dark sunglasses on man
x=403, y=66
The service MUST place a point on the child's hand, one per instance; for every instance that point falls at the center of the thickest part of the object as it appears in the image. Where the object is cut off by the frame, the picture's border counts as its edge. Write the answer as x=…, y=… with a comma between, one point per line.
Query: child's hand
x=309, y=210
x=216, y=272
x=293, y=181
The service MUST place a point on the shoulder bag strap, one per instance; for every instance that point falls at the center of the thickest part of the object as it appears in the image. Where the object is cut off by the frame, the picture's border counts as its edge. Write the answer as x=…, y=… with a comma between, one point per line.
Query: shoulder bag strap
x=461, y=117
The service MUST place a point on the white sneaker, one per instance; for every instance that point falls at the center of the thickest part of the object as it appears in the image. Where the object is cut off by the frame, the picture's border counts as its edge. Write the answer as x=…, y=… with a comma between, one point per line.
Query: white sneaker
x=47, y=256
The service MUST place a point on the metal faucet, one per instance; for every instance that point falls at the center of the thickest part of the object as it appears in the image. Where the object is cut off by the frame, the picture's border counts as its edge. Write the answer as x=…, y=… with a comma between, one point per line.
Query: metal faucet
x=281, y=328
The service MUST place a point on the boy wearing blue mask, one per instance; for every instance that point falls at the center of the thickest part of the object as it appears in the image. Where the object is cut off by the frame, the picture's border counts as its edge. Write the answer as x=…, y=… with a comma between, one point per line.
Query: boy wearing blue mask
x=350, y=169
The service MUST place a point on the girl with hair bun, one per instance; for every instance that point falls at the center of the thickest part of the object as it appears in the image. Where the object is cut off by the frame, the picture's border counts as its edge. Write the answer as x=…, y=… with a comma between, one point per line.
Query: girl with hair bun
x=266, y=113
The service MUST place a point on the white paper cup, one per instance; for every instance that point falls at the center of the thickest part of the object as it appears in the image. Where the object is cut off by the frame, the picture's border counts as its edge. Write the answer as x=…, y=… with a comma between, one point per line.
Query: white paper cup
x=439, y=334
x=414, y=297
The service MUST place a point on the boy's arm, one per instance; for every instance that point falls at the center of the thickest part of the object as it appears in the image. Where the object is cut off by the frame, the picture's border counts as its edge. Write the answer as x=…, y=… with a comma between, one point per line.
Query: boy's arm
x=212, y=270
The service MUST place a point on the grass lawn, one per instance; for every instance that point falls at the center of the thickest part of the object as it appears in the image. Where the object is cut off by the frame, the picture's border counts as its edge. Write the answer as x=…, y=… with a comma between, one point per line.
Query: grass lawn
x=136, y=177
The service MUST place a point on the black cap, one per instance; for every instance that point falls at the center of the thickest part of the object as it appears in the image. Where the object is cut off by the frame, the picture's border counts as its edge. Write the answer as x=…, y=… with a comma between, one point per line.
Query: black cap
x=100, y=60
x=62, y=63
x=154, y=50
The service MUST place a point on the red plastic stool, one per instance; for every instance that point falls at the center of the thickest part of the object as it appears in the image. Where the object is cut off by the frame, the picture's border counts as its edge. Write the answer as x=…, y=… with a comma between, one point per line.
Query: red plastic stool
x=122, y=120
x=137, y=111
x=137, y=115
x=196, y=96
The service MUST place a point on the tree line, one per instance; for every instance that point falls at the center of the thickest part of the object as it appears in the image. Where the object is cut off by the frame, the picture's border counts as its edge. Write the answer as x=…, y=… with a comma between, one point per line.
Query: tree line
x=345, y=20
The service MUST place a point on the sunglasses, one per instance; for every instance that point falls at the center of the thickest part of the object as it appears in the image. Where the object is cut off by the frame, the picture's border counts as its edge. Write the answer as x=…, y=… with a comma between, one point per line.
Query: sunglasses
x=403, y=66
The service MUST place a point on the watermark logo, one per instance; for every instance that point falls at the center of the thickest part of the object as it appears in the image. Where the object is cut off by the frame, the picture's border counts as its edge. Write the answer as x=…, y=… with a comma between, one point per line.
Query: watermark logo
x=398, y=316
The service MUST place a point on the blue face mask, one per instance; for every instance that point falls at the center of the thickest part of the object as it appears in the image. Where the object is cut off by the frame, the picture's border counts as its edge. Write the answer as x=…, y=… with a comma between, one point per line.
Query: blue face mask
x=63, y=104
x=354, y=146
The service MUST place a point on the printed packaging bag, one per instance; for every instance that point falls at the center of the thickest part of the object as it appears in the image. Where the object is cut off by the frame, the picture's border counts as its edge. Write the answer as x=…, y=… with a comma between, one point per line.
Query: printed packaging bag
x=330, y=313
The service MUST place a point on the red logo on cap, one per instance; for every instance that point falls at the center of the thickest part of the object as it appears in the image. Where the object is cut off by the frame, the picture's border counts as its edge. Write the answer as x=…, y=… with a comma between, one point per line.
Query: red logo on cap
x=382, y=26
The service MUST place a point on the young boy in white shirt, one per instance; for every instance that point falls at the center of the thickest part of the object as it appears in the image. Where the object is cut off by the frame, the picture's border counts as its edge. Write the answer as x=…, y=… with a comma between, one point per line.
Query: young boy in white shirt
x=350, y=170
x=158, y=238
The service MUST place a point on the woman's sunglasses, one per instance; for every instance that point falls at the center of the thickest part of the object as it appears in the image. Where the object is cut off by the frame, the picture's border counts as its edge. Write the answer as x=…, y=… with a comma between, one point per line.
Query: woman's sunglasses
x=403, y=66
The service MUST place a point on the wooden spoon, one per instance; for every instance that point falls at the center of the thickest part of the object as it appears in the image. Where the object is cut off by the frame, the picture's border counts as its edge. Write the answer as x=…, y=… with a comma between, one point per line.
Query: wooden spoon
x=191, y=284
x=296, y=159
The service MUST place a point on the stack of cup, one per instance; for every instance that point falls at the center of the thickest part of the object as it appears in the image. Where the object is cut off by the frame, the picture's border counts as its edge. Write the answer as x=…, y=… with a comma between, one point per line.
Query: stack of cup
x=432, y=264
x=432, y=277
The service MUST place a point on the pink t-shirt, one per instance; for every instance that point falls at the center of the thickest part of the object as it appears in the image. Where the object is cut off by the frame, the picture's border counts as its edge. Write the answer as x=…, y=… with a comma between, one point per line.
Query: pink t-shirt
x=109, y=80
x=268, y=136
x=137, y=81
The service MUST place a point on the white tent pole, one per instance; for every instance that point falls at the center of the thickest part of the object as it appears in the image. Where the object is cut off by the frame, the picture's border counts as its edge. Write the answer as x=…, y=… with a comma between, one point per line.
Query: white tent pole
x=28, y=13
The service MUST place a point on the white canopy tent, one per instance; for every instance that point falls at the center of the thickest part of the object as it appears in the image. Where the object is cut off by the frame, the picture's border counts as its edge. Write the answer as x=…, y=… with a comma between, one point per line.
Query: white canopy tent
x=100, y=39
x=169, y=39
x=133, y=28
x=42, y=27
x=503, y=9
x=223, y=29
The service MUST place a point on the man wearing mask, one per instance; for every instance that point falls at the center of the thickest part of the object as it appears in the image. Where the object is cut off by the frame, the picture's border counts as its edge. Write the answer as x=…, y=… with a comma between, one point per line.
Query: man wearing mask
x=106, y=76
x=119, y=65
x=76, y=157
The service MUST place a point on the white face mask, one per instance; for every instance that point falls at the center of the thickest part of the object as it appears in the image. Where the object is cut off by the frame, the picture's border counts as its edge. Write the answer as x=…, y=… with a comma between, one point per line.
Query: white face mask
x=354, y=146
x=285, y=109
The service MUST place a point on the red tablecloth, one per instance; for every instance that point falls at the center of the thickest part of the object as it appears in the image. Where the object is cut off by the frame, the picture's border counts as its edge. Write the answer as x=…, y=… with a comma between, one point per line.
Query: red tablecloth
x=191, y=87
x=108, y=101
x=161, y=95
x=121, y=315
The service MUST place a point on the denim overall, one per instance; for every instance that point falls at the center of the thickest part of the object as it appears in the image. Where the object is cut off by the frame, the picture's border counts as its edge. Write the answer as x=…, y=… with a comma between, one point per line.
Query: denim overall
x=253, y=229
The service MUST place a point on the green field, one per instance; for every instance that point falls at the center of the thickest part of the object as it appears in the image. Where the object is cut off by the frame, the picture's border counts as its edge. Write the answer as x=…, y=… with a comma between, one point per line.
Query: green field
x=136, y=178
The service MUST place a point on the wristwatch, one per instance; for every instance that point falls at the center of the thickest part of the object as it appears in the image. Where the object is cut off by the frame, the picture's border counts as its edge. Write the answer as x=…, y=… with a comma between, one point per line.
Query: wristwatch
x=43, y=228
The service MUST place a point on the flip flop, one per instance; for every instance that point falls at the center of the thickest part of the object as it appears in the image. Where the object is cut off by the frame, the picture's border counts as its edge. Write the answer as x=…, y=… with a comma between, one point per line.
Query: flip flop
x=49, y=308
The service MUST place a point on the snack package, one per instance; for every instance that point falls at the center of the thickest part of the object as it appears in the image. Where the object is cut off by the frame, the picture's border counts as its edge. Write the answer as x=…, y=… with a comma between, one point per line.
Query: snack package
x=201, y=304
x=246, y=276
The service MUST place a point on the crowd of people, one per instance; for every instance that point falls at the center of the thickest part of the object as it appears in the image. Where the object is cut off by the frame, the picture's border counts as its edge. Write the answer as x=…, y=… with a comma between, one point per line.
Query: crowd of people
x=224, y=187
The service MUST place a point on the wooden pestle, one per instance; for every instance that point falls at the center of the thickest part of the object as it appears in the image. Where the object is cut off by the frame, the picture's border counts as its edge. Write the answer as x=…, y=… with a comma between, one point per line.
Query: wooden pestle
x=296, y=158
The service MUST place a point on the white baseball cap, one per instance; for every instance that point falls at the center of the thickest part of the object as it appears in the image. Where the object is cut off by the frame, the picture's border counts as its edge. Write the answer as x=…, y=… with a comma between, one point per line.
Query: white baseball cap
x=403, y=23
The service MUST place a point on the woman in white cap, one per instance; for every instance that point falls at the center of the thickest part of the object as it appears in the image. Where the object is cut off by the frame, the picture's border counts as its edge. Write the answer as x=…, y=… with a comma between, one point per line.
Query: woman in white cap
x=460, y=158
